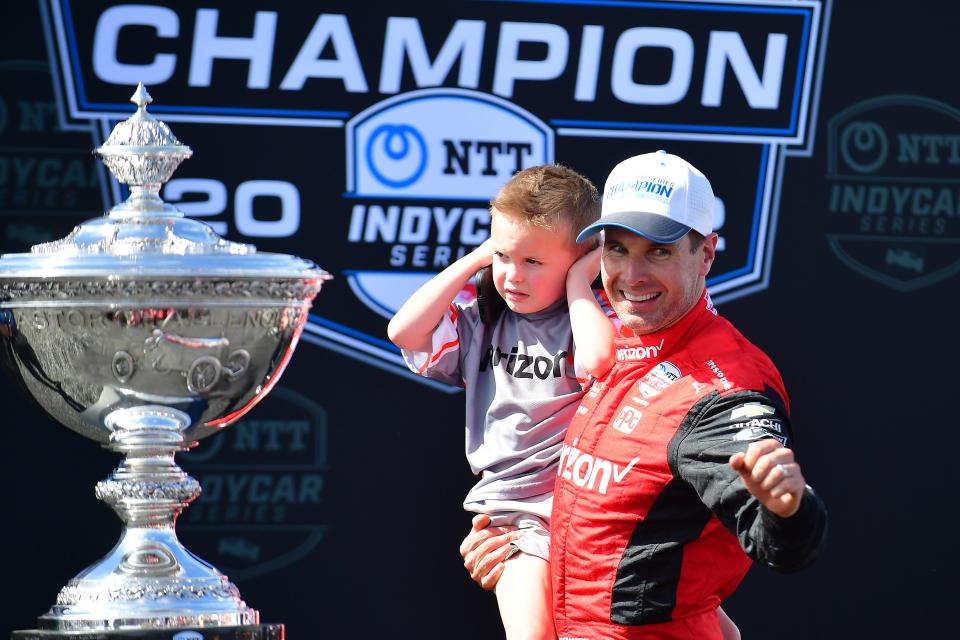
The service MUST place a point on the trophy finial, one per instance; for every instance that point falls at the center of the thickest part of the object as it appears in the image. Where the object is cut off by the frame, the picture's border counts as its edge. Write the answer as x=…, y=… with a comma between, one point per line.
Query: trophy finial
x=143, y=153
x=141, y=97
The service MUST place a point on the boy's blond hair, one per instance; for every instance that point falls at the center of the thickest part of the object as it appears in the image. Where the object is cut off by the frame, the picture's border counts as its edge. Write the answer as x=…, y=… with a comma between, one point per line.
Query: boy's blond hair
x=551, y=196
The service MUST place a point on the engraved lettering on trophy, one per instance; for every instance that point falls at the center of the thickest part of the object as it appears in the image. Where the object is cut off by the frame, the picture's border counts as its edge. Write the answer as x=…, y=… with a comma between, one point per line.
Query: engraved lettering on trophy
x=268, y=318
x=40, y=321
x=75, y=319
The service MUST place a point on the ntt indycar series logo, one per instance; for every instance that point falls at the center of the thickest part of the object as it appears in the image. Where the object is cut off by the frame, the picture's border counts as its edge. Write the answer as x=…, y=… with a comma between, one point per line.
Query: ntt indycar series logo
x=894, y=205
x=383, y=137
x=425, y=181
x=264, y=479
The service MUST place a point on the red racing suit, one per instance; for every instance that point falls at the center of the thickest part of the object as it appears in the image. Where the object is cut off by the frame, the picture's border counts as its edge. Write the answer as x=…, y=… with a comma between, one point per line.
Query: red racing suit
x=651, y=527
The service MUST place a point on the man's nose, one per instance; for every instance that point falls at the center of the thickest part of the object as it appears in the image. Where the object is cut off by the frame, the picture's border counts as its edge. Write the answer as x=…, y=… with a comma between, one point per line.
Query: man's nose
x=636, y=271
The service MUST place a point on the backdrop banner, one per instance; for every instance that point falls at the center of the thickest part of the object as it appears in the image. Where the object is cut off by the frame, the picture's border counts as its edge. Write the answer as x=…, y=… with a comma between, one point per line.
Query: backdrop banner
x=369, y=137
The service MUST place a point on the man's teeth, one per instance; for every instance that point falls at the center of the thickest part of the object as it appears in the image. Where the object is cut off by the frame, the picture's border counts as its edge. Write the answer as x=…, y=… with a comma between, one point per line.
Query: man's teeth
x=643, y=298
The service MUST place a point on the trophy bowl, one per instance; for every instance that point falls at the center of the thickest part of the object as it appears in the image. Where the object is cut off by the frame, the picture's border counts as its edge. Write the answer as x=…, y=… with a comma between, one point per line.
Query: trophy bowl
x=145, y=331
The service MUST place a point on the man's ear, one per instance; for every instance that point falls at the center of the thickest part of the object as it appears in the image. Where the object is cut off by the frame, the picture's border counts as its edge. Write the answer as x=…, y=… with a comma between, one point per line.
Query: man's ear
x=708, y=252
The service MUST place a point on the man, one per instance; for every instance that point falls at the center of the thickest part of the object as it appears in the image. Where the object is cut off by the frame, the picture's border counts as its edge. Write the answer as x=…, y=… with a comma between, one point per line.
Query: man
x=676, y=470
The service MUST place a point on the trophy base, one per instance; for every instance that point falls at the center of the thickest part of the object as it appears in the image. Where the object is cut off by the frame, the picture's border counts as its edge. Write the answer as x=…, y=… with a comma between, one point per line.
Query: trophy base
x=245, y=632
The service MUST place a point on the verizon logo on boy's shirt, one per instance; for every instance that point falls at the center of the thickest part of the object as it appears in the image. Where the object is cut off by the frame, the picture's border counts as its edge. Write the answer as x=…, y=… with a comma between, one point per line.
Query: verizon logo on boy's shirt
x=523, y=365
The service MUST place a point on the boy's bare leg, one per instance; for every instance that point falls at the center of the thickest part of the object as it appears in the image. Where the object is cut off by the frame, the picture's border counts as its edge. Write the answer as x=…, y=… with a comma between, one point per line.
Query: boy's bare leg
x=524, y=596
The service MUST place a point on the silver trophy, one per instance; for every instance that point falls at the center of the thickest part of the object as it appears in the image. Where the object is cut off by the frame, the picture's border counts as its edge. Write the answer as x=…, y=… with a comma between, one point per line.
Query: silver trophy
x=145, y=331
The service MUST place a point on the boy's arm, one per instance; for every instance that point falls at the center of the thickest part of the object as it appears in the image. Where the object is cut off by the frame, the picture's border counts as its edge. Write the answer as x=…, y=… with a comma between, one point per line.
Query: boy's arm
x=412, y=326
x=593, y=333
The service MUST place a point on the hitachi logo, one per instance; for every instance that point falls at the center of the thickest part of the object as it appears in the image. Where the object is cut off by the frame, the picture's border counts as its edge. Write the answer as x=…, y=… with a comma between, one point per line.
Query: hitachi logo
x=522, y=365
x=760, y=423
x=584, y=470
x=639, y=353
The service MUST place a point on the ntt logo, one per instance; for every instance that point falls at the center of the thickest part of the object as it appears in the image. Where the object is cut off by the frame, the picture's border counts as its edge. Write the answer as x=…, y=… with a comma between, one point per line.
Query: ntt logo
x=415, y=146
x=396, y=155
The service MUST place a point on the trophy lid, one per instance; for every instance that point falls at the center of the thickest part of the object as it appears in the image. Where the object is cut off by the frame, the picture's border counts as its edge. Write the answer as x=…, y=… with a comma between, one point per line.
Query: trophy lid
x=144, y=236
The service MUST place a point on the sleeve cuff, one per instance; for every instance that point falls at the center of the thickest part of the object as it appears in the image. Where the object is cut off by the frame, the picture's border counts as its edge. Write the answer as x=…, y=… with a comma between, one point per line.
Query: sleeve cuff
x=799, y=523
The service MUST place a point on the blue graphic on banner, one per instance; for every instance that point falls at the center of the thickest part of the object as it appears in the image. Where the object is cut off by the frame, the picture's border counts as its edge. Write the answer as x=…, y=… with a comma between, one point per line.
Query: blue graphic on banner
x=396, y=155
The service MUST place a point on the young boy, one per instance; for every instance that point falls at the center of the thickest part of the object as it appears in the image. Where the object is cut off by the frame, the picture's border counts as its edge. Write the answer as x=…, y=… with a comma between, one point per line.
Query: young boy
x=524, y=370
x=523, y=375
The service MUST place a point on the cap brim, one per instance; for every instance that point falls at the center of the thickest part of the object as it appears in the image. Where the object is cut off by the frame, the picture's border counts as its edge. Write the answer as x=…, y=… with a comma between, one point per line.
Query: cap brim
x=649, y=225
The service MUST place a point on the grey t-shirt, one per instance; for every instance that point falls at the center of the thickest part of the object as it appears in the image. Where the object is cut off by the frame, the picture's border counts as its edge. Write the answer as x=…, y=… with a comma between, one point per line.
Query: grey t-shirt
x=523, y=385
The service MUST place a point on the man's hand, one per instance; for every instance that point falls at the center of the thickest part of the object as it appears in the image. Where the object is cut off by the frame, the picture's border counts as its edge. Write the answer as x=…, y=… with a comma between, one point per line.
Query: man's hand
x=771, y=475
x=485, y=549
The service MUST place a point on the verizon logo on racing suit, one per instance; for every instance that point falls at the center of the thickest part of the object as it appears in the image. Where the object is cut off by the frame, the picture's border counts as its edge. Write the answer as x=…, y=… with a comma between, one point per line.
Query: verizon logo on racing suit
x=639, y=353
x=587, y=471
x=522, y=365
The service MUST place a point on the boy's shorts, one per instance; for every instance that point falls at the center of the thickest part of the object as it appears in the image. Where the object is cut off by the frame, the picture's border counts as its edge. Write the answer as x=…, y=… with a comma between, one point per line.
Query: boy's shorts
x=534, y=524
x=535, y=537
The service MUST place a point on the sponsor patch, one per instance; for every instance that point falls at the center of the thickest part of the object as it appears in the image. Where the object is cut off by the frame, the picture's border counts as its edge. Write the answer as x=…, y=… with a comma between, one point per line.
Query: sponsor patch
x=627, y=420
x=758, y=433
x=639, y=353
x=755, y=421
x=720, y=375
x=659, y=378
x=770, y=424
x=751, y=410
x=589, y=472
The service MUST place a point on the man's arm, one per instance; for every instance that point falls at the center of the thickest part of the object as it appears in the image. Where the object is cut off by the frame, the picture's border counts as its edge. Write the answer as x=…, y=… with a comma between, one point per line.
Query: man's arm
x=412, y=326
x=593, y=333
x=734, y=451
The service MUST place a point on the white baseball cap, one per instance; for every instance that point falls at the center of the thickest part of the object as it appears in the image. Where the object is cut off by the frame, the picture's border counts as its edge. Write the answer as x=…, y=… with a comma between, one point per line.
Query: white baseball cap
x=657, y=195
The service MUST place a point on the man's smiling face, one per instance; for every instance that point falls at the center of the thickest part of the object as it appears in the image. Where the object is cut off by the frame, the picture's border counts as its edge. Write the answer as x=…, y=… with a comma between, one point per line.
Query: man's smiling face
x=652, y=285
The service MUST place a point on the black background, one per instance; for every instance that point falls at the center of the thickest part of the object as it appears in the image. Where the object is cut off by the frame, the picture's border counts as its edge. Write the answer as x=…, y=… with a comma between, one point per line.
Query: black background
x=871, y=373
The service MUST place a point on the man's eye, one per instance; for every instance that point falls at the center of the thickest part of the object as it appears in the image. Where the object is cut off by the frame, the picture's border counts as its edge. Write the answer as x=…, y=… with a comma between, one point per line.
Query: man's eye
x=660, y=252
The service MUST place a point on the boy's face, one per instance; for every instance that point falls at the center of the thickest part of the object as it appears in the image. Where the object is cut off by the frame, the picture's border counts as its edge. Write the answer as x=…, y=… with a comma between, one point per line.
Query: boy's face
x=530, y=263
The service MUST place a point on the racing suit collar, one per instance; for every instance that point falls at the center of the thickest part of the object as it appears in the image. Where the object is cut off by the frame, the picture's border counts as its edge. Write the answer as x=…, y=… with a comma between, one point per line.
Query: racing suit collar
x=674, y=334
